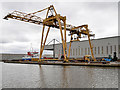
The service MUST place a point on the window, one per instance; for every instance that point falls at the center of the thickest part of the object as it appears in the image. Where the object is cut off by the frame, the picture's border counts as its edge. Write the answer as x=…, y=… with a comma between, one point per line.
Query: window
x=111, y=49
x=73, y=51
x=88, y=51
x=76, y=51
x=85, y=51
x=115, y=48
x=98, y=50
x=106, y=49
x=95, y=50
x=81, y=51
x=102, y=49
x=119, y=49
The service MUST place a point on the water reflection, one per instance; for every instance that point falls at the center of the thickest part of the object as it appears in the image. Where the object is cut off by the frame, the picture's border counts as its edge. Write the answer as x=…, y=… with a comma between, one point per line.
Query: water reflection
x=64, y=74
x=42, y=80
x=1, y=75
x=36, y=76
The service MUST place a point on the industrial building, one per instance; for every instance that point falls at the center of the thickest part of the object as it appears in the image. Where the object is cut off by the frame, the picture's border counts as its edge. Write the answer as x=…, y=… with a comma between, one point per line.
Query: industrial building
x=102, y=47
x=9, y=56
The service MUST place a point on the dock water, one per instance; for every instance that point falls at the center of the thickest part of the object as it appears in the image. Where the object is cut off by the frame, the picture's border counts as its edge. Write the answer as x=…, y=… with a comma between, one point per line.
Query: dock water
x=111, y=64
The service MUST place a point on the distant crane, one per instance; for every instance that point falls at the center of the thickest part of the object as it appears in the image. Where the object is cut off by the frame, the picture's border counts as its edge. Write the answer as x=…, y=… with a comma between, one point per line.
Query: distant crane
x=53, y=40
x=56, y=21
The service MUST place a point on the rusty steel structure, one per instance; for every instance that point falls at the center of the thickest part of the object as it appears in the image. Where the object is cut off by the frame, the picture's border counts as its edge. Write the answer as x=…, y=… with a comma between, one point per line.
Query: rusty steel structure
x=54, y=20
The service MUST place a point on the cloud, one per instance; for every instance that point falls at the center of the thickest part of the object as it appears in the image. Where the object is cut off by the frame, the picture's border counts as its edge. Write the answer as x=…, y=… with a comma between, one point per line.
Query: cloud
x=100, y=16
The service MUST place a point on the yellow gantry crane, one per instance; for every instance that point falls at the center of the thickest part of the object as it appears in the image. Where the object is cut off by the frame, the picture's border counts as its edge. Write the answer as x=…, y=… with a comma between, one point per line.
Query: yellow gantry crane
x=56, y=21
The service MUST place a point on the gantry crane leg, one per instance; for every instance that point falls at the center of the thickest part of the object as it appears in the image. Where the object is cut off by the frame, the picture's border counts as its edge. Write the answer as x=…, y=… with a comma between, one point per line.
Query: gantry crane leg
x=44, y=41
x=63, y=42
x=70, y=47
x=41, y=42
x=65, y=35
x=91, y=47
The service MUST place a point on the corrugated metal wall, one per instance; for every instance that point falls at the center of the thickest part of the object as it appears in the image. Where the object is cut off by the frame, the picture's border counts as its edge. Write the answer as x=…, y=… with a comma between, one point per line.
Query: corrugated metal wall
x=11, y=56
x=101, y=48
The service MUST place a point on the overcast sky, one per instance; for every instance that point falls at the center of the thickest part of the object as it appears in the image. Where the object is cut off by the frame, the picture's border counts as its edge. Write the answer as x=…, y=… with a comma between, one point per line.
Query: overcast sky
x=17, y=36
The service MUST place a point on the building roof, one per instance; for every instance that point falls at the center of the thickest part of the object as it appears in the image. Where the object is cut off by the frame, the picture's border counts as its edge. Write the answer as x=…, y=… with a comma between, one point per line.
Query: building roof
x=92, y=39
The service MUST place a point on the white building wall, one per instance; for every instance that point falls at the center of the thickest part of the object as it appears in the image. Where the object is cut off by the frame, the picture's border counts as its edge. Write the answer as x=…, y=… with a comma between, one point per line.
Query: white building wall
x=109, y=43
x=80, y=48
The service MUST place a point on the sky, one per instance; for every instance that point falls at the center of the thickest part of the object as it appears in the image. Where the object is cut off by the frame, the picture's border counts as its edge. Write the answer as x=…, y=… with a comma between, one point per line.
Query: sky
x=17, y=36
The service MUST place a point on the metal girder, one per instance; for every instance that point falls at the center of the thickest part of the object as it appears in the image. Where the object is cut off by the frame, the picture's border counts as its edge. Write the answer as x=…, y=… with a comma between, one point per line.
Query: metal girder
x=38, y=20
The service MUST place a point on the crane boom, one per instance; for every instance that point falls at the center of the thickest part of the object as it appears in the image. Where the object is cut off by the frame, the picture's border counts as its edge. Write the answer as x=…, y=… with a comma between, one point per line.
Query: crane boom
x=31, y=18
